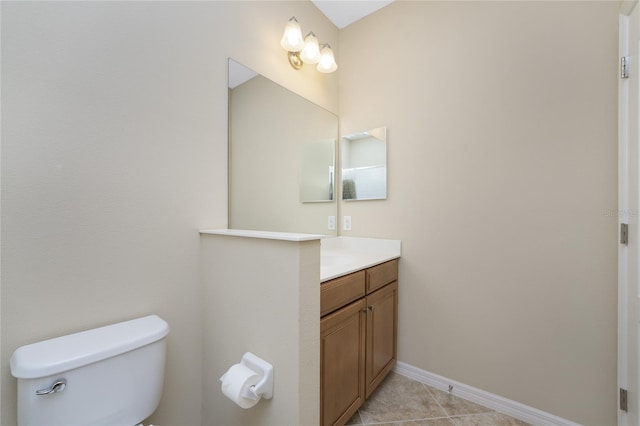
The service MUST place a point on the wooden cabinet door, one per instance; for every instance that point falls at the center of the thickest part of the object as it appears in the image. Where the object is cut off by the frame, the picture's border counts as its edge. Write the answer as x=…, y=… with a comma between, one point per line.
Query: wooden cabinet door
x=342, y=359
x=382, y=335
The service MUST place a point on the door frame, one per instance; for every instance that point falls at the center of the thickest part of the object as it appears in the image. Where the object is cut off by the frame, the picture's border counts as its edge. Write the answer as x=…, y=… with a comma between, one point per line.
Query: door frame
x=627, y=360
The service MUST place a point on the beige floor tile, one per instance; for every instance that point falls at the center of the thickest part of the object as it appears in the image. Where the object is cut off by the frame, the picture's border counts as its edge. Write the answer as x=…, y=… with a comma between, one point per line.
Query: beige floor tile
x=400, y=401
x=488, y=419
x=399, y=398
x=354, y=420
x=443, y=421
x=455, y=406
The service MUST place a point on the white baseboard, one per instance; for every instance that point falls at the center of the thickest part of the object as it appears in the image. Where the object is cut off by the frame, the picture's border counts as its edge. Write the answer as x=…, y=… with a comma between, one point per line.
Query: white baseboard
x=486, y=399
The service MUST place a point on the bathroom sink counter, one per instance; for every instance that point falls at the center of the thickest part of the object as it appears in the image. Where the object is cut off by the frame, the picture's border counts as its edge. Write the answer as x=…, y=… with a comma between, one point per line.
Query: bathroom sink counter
x=268, y=235
x=343, y=255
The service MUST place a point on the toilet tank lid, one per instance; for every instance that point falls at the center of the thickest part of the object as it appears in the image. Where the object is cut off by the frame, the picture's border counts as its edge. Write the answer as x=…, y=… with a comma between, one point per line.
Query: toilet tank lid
x=68, y=352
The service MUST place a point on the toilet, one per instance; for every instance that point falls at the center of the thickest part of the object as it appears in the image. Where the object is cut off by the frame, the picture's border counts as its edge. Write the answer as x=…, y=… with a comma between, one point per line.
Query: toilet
x=107, y=376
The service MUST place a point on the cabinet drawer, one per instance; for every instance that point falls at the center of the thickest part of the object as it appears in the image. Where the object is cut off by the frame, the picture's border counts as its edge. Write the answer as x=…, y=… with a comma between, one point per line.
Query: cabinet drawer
x=340, y=291
x=382, y=275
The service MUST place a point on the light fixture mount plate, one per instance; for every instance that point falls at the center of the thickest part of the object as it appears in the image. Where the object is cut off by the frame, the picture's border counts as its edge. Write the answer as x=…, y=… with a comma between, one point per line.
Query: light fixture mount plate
x=295, y=60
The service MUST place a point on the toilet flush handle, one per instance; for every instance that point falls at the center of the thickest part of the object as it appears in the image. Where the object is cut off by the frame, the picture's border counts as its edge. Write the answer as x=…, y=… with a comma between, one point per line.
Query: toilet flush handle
x=57, y=386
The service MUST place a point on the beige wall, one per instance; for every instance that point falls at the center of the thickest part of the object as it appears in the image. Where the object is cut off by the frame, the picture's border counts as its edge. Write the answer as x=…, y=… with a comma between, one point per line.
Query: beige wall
x=114, y=154
x=262, y=296
x=502, y=151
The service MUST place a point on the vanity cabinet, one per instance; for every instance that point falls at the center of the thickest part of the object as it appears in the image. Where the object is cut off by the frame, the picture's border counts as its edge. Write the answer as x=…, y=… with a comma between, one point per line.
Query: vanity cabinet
x=358, y=338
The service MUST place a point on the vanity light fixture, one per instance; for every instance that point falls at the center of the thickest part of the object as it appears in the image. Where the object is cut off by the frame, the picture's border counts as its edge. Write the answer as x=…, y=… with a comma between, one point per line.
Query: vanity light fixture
x=306, y=50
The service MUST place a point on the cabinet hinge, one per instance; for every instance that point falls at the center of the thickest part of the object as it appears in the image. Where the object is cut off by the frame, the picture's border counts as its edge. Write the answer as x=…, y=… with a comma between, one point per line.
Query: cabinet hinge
x=624, y=234
x=624, y=67
x=623, y=399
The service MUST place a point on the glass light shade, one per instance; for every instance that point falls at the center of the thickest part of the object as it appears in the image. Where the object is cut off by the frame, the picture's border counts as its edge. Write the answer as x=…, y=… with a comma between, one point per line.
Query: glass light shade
x=311, y=52
x=292, y=38
x=327, y=62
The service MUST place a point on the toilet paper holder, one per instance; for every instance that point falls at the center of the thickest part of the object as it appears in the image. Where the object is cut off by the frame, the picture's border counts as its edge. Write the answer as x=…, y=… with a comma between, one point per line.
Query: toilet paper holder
x=264, y=387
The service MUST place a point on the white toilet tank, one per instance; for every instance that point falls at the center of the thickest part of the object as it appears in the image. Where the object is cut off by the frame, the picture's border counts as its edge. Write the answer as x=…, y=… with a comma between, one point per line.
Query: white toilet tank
x=111, y=375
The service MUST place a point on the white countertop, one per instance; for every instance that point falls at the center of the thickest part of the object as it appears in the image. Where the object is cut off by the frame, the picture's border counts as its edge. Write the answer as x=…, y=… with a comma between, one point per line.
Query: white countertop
x=343, y=255
x=269, y=235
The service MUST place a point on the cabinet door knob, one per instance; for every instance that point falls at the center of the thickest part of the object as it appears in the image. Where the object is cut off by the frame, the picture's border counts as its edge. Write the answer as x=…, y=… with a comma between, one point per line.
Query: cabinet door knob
x=370, y=308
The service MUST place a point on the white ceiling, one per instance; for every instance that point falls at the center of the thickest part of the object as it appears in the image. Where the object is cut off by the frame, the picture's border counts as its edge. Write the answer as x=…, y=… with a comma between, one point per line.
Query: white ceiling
x=345, y=12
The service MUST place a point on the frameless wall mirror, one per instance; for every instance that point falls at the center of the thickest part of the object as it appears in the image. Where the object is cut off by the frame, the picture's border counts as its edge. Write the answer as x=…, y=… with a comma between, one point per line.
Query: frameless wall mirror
x=364, y=165
x=281, y=157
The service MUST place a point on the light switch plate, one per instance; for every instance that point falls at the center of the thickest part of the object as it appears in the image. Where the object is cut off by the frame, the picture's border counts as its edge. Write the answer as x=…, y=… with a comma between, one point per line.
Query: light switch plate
x=331, y=223
x=346, y=223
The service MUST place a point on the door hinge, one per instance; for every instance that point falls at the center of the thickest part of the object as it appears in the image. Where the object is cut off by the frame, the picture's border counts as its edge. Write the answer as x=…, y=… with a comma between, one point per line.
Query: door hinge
x=624, y=67
x=623, y=400
x=624, y=234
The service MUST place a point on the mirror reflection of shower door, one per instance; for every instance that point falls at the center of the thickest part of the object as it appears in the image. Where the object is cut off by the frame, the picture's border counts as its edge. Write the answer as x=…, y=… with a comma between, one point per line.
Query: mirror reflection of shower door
x=364, y=165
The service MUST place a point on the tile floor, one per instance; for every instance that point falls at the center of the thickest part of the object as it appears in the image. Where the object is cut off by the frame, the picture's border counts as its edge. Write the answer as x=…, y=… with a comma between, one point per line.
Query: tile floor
x=400, y=401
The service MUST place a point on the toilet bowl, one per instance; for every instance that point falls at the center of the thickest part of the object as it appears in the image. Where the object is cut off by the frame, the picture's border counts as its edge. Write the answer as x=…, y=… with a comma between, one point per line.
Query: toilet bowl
x=112, y=375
